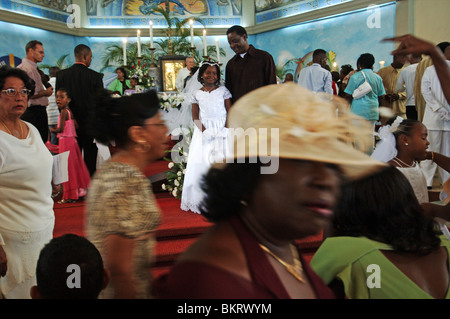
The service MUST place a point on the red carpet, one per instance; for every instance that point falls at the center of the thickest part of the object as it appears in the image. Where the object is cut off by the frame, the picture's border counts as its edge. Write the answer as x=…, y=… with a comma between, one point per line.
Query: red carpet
x=178, y=229
x=175, y=222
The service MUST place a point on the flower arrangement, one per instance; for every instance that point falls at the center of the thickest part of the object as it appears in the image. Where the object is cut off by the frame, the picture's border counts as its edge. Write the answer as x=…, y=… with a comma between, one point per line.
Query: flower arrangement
x=177, y=165
x=142, y=72
x=170, y=100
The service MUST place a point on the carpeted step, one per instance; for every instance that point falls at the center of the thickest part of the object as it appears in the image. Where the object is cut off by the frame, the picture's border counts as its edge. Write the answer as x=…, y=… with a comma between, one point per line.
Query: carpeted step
x=168, y=250
x=176, y=223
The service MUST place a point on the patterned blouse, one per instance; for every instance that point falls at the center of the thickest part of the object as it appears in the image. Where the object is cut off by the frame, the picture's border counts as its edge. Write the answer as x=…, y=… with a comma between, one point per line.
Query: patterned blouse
x=120, y=201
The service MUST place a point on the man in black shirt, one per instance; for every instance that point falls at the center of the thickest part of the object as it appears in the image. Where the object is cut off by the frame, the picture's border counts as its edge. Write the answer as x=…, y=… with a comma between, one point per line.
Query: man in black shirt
x=250, y=68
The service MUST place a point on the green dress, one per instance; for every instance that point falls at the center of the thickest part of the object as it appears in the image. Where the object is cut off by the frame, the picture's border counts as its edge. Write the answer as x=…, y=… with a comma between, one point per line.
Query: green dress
x=116, y=86
x=358, y=263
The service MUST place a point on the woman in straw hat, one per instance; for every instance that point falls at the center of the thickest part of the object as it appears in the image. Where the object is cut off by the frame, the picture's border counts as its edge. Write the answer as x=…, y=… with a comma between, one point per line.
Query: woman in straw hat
x=291, y=153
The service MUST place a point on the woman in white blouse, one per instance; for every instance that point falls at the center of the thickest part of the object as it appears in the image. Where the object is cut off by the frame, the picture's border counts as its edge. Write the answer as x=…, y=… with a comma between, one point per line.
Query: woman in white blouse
x=26, y=206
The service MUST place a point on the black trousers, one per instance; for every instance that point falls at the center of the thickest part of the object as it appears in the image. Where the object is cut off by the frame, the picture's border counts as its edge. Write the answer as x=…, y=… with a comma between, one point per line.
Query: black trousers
x=411, y=112
x=89, y=150
x=37, y=115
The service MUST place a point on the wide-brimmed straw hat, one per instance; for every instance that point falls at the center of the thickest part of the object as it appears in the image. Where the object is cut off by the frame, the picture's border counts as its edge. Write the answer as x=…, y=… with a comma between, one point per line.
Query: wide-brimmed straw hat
x=305, y=125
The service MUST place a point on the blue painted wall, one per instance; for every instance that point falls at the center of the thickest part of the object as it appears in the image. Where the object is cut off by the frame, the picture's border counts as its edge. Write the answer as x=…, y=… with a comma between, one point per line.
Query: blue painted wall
x=348, y=36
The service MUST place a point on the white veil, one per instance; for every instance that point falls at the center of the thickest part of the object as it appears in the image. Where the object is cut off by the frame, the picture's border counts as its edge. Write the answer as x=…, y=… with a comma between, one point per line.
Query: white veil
x=177, y=120
x=192, y=84
x=386, y=148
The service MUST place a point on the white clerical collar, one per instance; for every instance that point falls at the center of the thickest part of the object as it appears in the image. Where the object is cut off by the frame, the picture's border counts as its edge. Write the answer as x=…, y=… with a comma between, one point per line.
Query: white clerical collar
x=243, y=54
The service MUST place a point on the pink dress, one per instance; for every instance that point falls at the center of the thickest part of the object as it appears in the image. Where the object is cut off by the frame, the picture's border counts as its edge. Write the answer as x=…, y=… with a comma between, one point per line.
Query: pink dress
x=79, y=177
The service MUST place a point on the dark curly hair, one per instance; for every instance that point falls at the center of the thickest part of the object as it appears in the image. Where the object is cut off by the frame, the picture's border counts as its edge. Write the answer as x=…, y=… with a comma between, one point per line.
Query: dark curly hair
x=114, y=116
x=225, y=188
x=405, y=127
x=54, y=259
x=124, y=71
x=383, y=207
x=346, y=69
x=7, y=72
x=203, y=69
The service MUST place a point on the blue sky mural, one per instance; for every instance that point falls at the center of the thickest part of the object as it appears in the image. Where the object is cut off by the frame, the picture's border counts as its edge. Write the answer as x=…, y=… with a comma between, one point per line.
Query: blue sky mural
x=136, y=13
x=347, y=35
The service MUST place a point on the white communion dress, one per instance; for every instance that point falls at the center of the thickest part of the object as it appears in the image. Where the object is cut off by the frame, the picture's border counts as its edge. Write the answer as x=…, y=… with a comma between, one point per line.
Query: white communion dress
x=206, y=147
x=417, y=180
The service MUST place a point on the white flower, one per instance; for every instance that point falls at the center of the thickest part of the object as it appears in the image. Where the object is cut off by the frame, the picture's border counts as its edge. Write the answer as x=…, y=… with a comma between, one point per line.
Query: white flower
x=176, y=183
x=179, y=173
x=163, y=186
x=170, y=165
x=184, y=172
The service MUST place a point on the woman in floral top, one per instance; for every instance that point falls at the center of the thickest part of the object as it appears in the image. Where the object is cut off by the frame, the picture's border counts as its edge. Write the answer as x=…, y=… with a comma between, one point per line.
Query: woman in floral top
x=122, y=212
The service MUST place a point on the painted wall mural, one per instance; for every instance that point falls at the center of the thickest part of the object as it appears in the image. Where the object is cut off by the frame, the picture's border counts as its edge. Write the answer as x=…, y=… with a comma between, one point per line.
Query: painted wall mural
x=102, y=13
x=54, y=10
x=344, y=37
x=267, y=10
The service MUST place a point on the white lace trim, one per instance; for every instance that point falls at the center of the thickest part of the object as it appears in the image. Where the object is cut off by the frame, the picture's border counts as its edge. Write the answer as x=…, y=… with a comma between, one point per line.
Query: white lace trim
x=193, y=207
x=22, y=252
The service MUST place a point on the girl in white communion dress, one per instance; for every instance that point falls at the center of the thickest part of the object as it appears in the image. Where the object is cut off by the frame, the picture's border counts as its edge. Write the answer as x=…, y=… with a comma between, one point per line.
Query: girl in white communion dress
x=210, y=106
x=404, y=144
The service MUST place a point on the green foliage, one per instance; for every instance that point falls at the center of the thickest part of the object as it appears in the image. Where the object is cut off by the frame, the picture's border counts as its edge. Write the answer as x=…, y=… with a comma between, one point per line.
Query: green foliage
x=177, y=42
x=59, y=63
x=288, y=67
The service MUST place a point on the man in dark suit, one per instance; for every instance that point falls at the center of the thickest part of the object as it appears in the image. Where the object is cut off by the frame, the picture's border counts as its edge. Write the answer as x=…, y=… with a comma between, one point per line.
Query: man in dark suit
x=82, y=84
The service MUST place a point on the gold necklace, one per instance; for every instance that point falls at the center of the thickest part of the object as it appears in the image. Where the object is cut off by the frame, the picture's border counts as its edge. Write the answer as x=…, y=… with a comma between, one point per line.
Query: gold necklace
x=403, y=163
x=209, y=90
x=296, y=269
x=21, y=129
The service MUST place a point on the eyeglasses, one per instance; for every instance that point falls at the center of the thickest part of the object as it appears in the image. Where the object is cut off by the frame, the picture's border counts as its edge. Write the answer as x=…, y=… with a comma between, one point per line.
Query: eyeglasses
x=14, y=92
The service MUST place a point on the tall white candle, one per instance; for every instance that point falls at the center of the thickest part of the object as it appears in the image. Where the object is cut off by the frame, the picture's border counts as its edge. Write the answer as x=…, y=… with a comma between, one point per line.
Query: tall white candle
x=217, y=50
x=205, y=50
x=151, y=34
x=382, y=64
x=139, y=43
x=191, y=22
x=124, y=51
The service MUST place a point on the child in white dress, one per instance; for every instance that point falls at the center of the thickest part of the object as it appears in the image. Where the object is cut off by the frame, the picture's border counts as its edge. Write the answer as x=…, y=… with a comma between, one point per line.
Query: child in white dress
x=210, y=106
x=404, y=145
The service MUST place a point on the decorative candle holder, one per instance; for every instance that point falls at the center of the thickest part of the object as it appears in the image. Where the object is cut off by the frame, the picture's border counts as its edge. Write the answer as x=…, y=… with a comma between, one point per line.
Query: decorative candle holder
x=152, y=65
x=193, y=51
